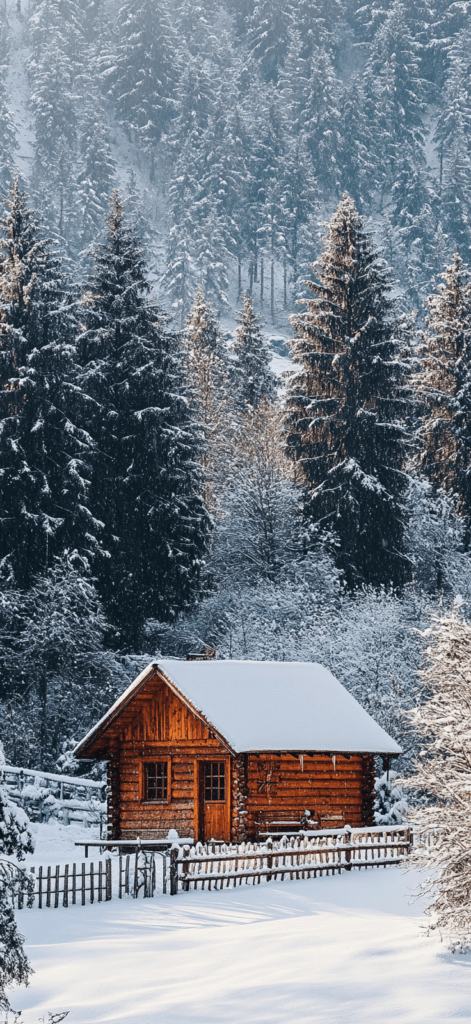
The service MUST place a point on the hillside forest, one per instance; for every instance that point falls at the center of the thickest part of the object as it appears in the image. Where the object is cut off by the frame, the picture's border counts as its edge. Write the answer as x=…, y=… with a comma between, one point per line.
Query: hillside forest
x=235, y=362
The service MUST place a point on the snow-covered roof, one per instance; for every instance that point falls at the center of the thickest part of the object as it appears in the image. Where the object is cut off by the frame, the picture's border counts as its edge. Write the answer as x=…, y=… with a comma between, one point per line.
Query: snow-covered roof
x=267, y=705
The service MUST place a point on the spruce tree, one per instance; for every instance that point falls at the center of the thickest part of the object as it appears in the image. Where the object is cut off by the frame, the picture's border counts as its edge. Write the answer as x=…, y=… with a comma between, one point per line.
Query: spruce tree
x=141, y=73
x=209, y=378
x=344, y=406
x=443, y=385
x=44, y=445
x=96, y=173
x=253, y=378
x=146, y=483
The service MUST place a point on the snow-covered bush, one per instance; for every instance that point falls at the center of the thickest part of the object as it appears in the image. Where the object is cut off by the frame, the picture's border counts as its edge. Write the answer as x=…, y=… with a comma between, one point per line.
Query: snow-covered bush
x=15, y=841
x=443, y=772
x=390, y=806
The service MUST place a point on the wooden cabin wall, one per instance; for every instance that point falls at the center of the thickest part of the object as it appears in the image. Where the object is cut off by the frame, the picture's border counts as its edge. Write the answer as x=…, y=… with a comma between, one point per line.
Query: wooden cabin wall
x=157, y=726
x=280, y=788
x=267, y=787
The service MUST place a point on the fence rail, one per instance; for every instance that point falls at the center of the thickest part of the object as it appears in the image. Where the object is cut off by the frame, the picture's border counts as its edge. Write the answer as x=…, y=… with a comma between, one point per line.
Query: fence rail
x=214, y=866
x=303, y=856
x=45, y=795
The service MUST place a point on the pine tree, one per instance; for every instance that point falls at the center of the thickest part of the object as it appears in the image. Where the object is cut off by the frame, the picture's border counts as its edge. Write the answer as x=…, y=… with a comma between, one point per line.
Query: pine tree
x=141, y=74
x=57, y=60
x=8, y=140
x=393, y=81
x=344, y=406
x=443, y=385
x=209, y=378
x=358, y=170
x=267, y=36
x=456, y=194
x=322, y=125
x=96, y=174
x=253, y=379
x=146, y=483
x=44, y=446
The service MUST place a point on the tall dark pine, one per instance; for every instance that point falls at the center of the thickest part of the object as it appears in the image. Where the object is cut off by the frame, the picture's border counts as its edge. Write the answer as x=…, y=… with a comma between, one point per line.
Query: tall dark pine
x=146, y=483
x=44, y=447
x=344, y=406
x=443, y=385
x=254, y=380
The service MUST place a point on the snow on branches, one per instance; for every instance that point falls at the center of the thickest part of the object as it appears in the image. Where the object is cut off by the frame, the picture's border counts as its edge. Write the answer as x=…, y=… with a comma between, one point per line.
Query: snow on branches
x=443, y=773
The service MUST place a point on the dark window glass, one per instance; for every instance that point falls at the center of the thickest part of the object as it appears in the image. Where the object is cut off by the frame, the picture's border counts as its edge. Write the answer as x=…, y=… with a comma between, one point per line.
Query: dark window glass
x=214, y=780
x=156, y=777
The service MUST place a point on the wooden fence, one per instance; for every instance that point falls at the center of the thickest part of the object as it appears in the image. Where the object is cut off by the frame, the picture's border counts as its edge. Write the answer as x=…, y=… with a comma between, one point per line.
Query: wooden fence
x=77, y=884
x=215, y=865
x=68, y=885
x=304, y=856
x=45, y=795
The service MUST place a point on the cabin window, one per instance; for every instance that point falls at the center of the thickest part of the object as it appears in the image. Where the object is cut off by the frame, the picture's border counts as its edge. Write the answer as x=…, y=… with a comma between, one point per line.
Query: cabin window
x=156, y=780
x=215, y=780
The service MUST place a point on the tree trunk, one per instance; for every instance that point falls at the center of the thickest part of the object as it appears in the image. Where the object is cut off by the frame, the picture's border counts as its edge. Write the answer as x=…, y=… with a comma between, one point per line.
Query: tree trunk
x=272, y=290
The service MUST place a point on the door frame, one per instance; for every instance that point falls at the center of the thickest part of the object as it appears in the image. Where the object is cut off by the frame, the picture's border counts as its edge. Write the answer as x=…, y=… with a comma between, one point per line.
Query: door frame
x=199, y=796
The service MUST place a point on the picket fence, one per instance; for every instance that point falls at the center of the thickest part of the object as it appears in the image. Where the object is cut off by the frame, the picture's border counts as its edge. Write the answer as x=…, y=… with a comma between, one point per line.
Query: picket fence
x=77, y=884
x=213, y=865
x=306, y=855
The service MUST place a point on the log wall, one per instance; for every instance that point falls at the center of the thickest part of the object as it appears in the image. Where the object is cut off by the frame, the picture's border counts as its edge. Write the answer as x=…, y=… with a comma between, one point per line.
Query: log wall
x=284, y=787
x=157, y=726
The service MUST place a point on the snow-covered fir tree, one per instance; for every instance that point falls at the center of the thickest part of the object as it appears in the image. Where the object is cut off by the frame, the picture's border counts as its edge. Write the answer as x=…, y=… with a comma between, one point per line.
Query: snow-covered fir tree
x=209, y=377
x=96, y=177
x=390, y=806
x=44, y=444
x=443, y=384
x=141, y=72
x=254, y=380
x=344, y=407
x=146, y=484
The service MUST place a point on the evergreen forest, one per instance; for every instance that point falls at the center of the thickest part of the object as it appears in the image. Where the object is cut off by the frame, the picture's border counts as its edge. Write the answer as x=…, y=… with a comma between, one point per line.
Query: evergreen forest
x=235, y=346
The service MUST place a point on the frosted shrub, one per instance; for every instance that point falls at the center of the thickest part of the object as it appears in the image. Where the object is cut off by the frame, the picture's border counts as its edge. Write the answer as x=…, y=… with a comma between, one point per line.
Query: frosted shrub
x=443, y=774
x=390, y=807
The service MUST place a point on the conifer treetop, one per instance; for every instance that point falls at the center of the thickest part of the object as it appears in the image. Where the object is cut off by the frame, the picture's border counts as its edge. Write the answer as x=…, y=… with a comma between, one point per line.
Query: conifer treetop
x=443, y=384
x=254, y=378
x=344, y=407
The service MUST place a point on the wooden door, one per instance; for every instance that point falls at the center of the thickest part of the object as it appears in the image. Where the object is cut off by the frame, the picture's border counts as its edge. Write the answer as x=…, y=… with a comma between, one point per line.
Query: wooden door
x=214, y=801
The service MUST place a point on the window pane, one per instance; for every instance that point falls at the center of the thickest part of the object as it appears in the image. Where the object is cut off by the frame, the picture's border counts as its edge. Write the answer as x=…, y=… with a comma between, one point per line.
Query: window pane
x=156, y=781
x=215, y=780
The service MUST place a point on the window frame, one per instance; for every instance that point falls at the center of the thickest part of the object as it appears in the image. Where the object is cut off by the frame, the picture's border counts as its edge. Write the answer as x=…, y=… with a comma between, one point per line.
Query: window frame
x=155, y=760
x=219, y=799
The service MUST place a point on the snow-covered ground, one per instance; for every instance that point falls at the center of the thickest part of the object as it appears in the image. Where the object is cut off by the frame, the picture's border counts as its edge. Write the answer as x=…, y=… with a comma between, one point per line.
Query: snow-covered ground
x=345, y=949
x=54, y=843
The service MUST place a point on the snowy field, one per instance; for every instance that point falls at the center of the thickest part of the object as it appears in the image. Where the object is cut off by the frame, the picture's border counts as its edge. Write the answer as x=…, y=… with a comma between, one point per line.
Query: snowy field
x=339, y=950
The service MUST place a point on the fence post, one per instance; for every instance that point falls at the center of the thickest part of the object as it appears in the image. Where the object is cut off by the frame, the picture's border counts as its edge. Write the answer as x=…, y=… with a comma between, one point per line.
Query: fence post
x=269, y=845
x=348, y=853
x=108, y=879
x=174, y=852
x=186, y=882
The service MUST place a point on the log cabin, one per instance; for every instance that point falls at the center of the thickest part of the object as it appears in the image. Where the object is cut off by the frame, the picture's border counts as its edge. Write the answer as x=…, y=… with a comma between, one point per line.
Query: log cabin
x=228, y=750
